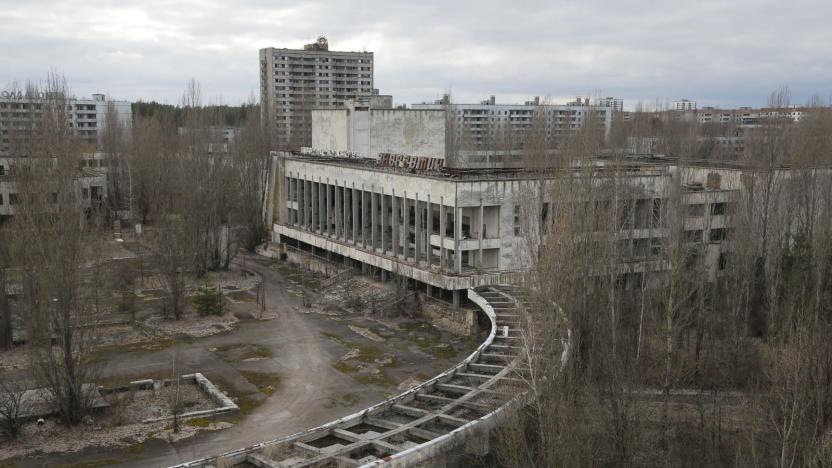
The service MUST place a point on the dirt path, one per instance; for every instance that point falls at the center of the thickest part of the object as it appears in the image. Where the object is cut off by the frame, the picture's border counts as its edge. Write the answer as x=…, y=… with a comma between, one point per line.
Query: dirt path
x=311, y=390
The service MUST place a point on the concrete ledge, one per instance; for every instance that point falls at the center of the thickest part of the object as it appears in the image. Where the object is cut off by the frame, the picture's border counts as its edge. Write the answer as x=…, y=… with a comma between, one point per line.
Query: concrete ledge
x=472, y=433
x=224, y=404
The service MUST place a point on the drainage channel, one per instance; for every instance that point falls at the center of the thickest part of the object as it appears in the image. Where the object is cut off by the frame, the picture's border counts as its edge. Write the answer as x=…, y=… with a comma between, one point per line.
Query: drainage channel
x=417, y=425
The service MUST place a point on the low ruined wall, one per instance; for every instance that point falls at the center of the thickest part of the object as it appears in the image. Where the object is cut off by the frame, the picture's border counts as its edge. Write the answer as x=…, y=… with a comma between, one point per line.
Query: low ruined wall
x=457, y=321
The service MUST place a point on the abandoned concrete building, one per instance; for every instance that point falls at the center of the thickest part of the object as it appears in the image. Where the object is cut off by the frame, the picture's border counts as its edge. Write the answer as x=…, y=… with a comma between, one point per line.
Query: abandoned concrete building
x=90, y=183
x=21, y=113
x=377, y=190
x=492, y=135
x=294, y=81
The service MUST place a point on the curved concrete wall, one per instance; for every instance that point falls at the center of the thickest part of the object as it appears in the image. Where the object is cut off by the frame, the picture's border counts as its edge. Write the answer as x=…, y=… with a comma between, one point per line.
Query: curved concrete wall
x=437, y=445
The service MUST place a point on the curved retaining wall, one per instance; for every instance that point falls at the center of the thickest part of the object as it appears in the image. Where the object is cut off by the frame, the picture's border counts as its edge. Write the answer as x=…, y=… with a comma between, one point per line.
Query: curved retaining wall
x=426, y=421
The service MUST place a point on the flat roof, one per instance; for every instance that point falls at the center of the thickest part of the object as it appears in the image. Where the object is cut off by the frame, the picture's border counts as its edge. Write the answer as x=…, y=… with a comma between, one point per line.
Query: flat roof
x=466, y=175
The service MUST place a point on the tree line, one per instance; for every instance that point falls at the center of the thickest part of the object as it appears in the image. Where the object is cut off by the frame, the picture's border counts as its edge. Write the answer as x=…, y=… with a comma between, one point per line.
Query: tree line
x=197, y=198
x=679, y=357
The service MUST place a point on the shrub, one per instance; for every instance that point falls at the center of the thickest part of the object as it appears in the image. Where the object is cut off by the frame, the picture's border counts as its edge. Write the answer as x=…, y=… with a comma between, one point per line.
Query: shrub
x=209, y=301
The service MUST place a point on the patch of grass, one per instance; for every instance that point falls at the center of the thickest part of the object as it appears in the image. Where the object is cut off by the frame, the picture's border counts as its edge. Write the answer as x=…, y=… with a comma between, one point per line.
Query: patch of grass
x=135, y=448
x=10, y=463
x=241, y=296
x=199, y=422
x=336, y=338
x=241, y=351
x=368, y=353
x=156, y=343
x=381, y=379
x=247, y=402
x=266, y=382
x=346, y=368
x=90, y=464
x=444, y=351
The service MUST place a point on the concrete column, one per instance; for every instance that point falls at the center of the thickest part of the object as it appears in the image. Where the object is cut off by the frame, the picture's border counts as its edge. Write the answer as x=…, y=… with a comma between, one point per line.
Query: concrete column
x=394, y=220
x=321, y=207
x=417, y=230
x=480, y=237
x=299, y=188
x=373, y=217
x=383, y=222
x=328, y=211
x=338, y=211
x=405, y=227
x=312, y=200
x=288, y=208
x=442, y=227
x=363, y=224
x=354, y=214
x=455, y=296
x=457, y=238
x=316, y=199
x=428, y=232
x=307, y=201
x=310, y=207
x=345, y=226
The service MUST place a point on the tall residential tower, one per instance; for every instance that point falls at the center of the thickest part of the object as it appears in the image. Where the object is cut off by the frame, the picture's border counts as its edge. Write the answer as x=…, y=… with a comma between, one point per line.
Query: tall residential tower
x=293, y=82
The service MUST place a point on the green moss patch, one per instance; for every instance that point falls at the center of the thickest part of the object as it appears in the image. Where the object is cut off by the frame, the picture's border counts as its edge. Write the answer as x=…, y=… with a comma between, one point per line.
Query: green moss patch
x=201, y=423
x=345, y=367
x=381, y=379
x=241, y=296
x=266, y=382
x=242, y=351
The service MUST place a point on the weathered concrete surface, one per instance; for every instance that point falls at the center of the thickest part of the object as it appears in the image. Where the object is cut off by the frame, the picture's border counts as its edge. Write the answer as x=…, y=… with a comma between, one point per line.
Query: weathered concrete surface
x=304, y=361
x=401, y=420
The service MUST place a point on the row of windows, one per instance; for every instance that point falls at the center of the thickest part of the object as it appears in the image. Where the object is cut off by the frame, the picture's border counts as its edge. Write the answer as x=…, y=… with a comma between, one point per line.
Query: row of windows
x=14, y=199
x=323, y=59
x=716, y=209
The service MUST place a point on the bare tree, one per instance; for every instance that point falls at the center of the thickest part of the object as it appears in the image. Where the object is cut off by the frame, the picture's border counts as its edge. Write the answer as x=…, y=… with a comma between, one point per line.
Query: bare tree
x=52, y=228
x=6, y=330
x=11, y=406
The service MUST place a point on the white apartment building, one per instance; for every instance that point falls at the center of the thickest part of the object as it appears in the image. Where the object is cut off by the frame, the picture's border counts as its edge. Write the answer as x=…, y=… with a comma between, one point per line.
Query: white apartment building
x=293, y=82
x=683, y=105
x=616, y=104
x=19, y=113
x=475, y=132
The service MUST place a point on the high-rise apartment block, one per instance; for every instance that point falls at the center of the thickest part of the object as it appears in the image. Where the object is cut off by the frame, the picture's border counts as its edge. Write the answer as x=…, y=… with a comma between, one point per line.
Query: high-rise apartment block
x=21, y=112
x=293, y=82
x=683, y=105
x=617, y=104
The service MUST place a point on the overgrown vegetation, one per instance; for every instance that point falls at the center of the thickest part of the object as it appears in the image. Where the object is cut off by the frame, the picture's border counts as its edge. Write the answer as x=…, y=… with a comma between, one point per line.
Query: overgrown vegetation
x=663, y=335
x=209, y=300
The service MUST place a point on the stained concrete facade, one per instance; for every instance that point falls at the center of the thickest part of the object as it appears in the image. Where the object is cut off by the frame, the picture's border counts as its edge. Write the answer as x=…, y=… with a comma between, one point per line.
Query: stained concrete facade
x=448, y=232
x=362, y=130
x=90, y=182
x=20, y=114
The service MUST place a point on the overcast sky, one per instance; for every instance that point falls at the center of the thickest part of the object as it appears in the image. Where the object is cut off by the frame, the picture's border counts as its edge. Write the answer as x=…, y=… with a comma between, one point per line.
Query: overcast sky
x=724, y=52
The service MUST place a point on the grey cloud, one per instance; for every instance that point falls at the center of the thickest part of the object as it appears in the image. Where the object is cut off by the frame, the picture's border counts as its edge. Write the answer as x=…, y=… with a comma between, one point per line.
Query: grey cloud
x=718, y=52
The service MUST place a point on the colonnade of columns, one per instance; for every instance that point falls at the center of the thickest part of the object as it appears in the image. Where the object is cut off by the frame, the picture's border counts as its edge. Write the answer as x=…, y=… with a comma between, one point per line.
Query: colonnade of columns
x=397, y=224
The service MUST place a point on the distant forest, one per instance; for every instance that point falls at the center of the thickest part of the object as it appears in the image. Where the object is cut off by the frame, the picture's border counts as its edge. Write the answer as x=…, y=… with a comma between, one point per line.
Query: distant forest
x=227, y=116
